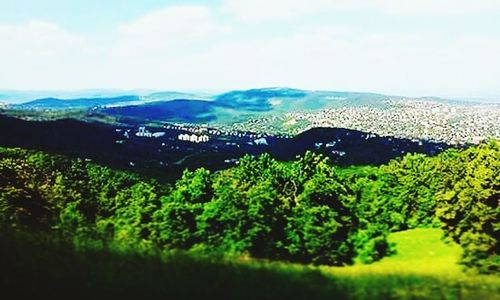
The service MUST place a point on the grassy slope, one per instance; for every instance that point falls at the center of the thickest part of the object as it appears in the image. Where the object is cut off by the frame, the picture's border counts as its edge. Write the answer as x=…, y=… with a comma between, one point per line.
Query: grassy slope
x=418, y=251
x=424, y=268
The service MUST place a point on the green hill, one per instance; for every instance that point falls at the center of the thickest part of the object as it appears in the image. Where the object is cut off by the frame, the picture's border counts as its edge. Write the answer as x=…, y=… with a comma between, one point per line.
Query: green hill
x=72, y=228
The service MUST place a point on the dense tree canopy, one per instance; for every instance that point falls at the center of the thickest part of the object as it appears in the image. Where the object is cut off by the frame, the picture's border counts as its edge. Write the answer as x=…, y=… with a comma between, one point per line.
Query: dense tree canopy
x=306, y=210
x=468, y=203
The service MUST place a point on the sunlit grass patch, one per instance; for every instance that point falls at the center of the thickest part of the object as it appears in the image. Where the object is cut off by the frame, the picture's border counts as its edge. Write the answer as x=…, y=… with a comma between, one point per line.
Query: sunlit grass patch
x=425, y=266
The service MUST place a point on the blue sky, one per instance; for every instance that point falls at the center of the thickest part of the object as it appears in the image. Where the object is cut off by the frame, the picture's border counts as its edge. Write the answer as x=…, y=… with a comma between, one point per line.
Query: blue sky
x=412, y=47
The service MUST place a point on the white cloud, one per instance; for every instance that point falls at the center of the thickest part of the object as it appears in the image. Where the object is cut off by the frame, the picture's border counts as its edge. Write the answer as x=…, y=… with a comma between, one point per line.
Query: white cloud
x=38, y=38
x=437, y=7
x=275, y=10
x=280, y=10
x=328, y=58
x=41, y=54
x=170, y=29
x=191, y=47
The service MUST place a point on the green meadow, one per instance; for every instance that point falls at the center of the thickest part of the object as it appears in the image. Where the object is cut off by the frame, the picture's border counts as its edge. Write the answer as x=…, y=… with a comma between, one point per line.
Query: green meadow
x=425, y=266
x=422, y=251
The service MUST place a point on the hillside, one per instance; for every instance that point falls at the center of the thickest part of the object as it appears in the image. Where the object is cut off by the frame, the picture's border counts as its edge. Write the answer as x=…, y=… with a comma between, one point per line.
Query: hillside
x=232, y=106
x=424, y=266
x=178, y=110
x=280, y=111
x=123, y=234
x=58, y=104
x=306, y=210
x=237, y=106
x=60, y=272
x=167, y=155
x=352, y=147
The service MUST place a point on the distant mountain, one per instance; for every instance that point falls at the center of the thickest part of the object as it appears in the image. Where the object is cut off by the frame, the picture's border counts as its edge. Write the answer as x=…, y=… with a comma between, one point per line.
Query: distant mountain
x=18, y=97
x=239, y=105
x=286, y=99
x=257, y=99
x=168, y=95
x=56, y=103
x=179, y=110
x=202, y=107
x=68, y=100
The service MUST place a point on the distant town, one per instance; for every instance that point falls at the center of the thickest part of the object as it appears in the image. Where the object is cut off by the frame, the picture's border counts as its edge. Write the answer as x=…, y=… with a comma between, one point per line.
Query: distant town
x=407, y=118
x=418, y=119
x=194, y=133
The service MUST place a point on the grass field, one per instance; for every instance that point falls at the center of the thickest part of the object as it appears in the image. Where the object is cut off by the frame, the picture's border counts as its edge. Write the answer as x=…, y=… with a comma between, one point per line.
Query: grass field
x=424, y=267
x=419, y=251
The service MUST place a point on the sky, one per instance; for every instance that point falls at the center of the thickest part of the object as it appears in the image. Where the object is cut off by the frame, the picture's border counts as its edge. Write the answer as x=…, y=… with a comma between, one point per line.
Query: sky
x=447, y=48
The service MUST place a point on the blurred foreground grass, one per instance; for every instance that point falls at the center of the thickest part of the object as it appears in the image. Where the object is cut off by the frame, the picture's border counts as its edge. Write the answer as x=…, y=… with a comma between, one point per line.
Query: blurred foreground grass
x=424, y=267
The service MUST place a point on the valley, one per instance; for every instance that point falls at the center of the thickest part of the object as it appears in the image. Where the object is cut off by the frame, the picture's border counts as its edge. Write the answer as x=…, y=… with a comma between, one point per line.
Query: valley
x=282, y=112
x=161, y=151
x=353, y=194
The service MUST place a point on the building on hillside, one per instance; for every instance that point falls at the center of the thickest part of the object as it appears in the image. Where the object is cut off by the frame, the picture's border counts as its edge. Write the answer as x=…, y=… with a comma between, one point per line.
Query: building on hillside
x=143, y=132
x=158, y=134
x=261, y=141
x=193, y=138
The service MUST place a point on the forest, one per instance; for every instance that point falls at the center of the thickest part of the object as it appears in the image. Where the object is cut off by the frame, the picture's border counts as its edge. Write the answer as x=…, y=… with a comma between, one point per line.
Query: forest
x=307, y=211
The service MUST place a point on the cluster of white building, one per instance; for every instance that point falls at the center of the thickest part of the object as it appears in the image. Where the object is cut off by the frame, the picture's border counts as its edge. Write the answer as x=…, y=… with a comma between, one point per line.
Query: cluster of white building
x=143, y=132
x=217, y=130
x=193, y=138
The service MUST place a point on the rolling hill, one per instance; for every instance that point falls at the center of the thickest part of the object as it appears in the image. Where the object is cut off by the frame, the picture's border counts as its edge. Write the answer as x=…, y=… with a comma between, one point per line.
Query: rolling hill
x=179, y=110
x=237, y=106
x=223, y=107
x=56, y=103
x=167, y=156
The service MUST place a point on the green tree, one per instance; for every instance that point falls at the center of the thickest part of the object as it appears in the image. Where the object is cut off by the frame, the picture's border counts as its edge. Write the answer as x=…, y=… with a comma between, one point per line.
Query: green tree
x=320, y=225
x=468, y=203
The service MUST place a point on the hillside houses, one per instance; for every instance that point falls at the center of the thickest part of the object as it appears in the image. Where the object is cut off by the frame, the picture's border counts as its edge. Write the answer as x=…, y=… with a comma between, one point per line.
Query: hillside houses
x=193, y=138
x=143, y=132
x=409, y=118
